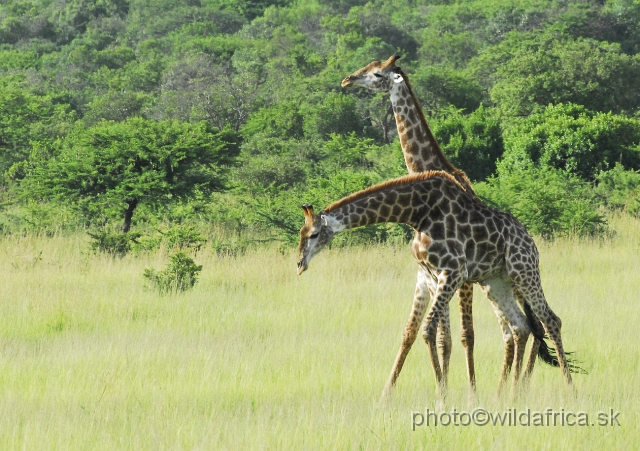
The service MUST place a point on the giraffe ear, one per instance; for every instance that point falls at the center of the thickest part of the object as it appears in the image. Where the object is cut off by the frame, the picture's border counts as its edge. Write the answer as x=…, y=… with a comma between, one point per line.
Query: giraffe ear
x=324, y=220
x=397, y=78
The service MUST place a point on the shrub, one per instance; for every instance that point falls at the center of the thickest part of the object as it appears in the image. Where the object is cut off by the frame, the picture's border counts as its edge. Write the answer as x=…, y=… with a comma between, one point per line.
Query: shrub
x=472, y=142
x=230, y=247
x=574, y=139
x=619, y=189
x=547, y=201
x=184, y=237
x=180, y=275
x=115, y=244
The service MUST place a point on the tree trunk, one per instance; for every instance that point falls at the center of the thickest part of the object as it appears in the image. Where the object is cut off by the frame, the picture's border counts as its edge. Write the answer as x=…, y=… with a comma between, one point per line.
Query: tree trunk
x=128, y=214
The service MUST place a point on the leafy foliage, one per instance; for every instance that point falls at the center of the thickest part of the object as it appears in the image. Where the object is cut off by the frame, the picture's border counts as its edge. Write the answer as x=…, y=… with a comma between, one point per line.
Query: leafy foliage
x=574, y=139
x=619, y=189
x=180, y=275
x=530, y=71
x=114, y=244
x=471, y=142
x=547, y=201
x=184, y=238
x=119, y=165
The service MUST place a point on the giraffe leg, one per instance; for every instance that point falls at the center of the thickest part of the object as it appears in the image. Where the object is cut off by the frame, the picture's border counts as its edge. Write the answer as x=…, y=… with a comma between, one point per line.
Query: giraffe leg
x=507, y=338
x=465, y=297
x=535, y=346
x=500, y=292
x=531, y=360
x=418, y=309
x=447, y=284
x=443, y=340
x=509, y=348
x=532, y=293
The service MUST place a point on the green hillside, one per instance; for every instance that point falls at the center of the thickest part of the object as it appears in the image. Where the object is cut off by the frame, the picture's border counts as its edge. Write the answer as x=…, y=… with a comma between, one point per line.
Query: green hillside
x=230, y=113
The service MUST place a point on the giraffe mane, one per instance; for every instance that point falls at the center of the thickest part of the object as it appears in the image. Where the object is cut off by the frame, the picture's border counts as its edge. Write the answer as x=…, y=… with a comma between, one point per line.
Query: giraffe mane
x=401, y=181
x=452, y=169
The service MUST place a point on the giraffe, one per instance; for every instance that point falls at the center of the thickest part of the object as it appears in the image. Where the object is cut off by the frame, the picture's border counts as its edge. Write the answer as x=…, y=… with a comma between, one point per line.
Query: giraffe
x=470, y=242
x=421, y=153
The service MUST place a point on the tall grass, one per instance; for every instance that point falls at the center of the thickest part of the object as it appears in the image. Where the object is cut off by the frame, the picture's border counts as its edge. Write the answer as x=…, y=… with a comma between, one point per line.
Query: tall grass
x=255, y=357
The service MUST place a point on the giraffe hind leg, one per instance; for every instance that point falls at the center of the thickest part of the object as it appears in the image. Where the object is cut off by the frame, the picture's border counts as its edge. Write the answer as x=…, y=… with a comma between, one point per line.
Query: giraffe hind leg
x=534, y=299
x=467, y=336
x=536, y=326
x=513, y=323
x=509, y=349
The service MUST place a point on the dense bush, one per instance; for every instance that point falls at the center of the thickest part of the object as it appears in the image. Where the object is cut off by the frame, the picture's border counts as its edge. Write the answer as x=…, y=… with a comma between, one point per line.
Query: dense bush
x=471, y=142
x=182, y=238
x=574, y=139
x=114, y=244
x=619, y=189
x=547, y=201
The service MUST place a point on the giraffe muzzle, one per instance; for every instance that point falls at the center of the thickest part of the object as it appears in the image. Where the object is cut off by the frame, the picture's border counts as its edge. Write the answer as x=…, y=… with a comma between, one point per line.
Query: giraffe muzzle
x=347, y=82
x=302, y=266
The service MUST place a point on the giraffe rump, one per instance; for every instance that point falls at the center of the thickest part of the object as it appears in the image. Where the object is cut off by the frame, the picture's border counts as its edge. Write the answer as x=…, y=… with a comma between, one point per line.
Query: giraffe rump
x=546, y=353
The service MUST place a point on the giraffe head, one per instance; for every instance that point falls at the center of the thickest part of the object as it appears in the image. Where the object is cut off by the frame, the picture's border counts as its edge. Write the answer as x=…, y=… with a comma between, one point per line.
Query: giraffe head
x=377, y=76
x=315, y=234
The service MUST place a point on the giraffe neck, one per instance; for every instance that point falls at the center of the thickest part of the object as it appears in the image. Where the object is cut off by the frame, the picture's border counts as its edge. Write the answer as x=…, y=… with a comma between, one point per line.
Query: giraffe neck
x=419, y=147
x=406, y=200
x=374, y=208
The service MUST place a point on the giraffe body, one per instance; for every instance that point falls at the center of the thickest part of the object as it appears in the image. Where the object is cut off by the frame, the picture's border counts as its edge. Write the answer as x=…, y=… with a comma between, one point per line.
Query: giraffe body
x=469, y=243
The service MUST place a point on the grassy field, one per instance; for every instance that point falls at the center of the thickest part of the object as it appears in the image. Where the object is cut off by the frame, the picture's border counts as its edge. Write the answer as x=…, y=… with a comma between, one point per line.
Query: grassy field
x=255, y=357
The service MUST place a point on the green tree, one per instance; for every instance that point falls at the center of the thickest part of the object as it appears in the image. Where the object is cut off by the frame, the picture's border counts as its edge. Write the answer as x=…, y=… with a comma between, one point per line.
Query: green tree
x=441, y=87
x=27, y=119
x=472, y=142
x=283, y=120
x=574, y=139
x=548, y=68
x=336, y=113
x=119, y=166
x=547, y=201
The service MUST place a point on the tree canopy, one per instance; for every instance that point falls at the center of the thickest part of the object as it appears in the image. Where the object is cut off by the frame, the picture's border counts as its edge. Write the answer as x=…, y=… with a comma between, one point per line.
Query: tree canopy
x=119, y=165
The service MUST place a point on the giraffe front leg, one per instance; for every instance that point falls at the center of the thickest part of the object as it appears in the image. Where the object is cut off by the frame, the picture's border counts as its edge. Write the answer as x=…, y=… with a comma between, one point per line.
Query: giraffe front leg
x=418, y=309
x=443, y=340
x=467, y=336
x=447, y=283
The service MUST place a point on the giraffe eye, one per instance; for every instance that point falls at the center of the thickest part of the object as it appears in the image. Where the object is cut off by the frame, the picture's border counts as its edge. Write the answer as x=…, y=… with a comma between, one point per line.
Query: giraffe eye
x=314, y=236
x=377, y=74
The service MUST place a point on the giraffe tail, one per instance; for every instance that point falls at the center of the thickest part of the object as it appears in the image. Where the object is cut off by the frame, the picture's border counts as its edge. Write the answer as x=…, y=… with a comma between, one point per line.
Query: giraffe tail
x=545, y=352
